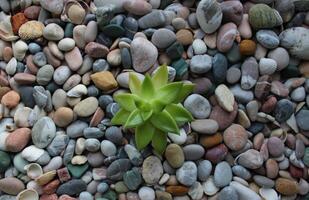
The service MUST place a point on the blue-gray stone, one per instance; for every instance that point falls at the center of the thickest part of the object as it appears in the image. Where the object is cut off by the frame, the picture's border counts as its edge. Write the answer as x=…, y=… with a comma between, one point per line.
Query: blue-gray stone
x=228, y=193
x=187, y=173
x=219, y=68
x=283, y=110
x=93, y=132
x=104, y=100
x=204, y=169
x=117, y=168
x=69, y=152
x=40, y=59
x=114, y=134
x=100, y=65
x=58, y=144
x=134, y=155
x=302, y=119
x=268, y=38
x=92, y=91
x=241, y=172
x=34, y=48
x=76, y=129
x=72, y=187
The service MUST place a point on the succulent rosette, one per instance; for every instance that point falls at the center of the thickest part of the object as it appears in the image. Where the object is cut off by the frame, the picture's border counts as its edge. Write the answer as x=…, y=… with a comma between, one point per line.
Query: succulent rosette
x=153, y=108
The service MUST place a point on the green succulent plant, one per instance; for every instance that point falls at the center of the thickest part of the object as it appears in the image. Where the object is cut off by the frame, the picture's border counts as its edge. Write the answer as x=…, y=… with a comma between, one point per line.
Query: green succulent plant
x=153, y=108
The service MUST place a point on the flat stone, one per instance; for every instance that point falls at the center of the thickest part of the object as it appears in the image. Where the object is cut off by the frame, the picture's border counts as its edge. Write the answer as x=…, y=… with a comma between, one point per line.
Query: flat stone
x=225, y=97
x=223, y=174
x=43, y=132
x=72, y=187
x=187, y=173
x=152, y=170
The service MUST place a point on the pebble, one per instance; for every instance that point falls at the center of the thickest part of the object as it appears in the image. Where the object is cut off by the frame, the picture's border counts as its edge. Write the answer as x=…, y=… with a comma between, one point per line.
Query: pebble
x=187, y=173
x=199, y=47
x=66, y=44
x=155, y=18
x=198, y=106
x=152, y=170
x=144, y=54
x=228, y=193
x=205, y=126
x=18, y=139
x=244, y=192
x=11, y=185
x=72, y=187
x=104, y=80
x=86, y=107
x=222, y=174
x=267, y=66
x=301, y=119
x=193, y=152
x=283, y=110
x=163, y=38
x=43, y=132
x=209, y=23
x=146, y=193
x=108, y=148
x=225, y=97
x=235, y=137
x=226, y=36
x=204, y=169
x=268, y=39
x=31, y=30
x=74, y=59
x=281, y=56
x=286, y=186
x=53, y=32
x=262, y=16
x=200, y=64
x=52, y=6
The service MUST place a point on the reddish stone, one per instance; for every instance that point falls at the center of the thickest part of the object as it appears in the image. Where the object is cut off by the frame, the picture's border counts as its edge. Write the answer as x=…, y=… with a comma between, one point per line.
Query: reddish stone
x=279, y=89
x=18, y=139
x=63, y=174
x=51, y=187
x=3, y=79
x=10, y=99
x=269, y=105
x=224, y=118
x=30, y=65
x=262, y=87
x=217, y=153
x=177, y=190
x=66, y=197
x=49, y=197
x=32, y=12
x=7, y=54
x=295, y=171
x=24, y=78
x=96, y=50
x=18, y=20
x=210, y=141
x=97, y=117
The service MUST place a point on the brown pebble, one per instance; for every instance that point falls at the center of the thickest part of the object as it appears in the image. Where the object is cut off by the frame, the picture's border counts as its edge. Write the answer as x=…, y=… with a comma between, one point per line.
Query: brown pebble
x=295, y=171
x=286, y=187
x=7, y=54
x=30, y=65
x=177, y=190
x=104, y=80
x=247, y=47
x=10, y=99
x=184, y=37
x=97, y=117
x=96, y=50
x=272, y=168
x=63, y=116
x=211, y=140
x=258, y=141
x=18, y=139
x=11, y=185
x=3, y=91
x=275, y=146
x=223, y=117
x=269, y=105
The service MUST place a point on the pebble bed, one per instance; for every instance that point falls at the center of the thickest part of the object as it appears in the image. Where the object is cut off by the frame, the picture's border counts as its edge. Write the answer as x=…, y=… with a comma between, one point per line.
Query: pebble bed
x=62, y=61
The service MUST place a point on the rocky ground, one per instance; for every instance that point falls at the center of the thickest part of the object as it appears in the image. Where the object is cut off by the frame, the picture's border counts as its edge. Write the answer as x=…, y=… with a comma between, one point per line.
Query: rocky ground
x=62, y=62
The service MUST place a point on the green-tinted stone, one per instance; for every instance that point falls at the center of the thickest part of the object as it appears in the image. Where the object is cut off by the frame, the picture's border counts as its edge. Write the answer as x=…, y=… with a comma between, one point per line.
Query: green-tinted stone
x=263, y=16
x=104, y=15
x=290, y=71
x=181, y=67
x=5, y=161
x=68, y=31
x=113, y=30
x=306, y=157
x=132, y=179
x=110, y=195
x=175, y=50
x=77, y=170
x=20, y=163
x=120, y=187
x=233, y=55
x=165, y=3
x=301, y=5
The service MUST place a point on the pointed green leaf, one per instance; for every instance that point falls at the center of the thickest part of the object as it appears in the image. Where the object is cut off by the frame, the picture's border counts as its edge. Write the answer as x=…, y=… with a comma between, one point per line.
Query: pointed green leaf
x=159, y=141
x=186, y=89
x=121, y=117
x=146, y=115
x=135, y=84
x=126, y=101
x=148, y=90
x=157, y=105
x=143, y=135
x=168, y=93
x=160, y=78
x=179, y=113
x=135, y=119
x=164, y=122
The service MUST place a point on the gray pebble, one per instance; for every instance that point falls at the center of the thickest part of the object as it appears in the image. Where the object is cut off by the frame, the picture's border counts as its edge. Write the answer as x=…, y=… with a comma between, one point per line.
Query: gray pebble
x=268, y=38
x=76, y=129
x=198, y=106
x=187, y=173
x=200, y=64
x=223, y=174
x=39, y=59
x=204, y=169
x=92, y=144
x=193, y=152
x=93, y=132
x=114, y=134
